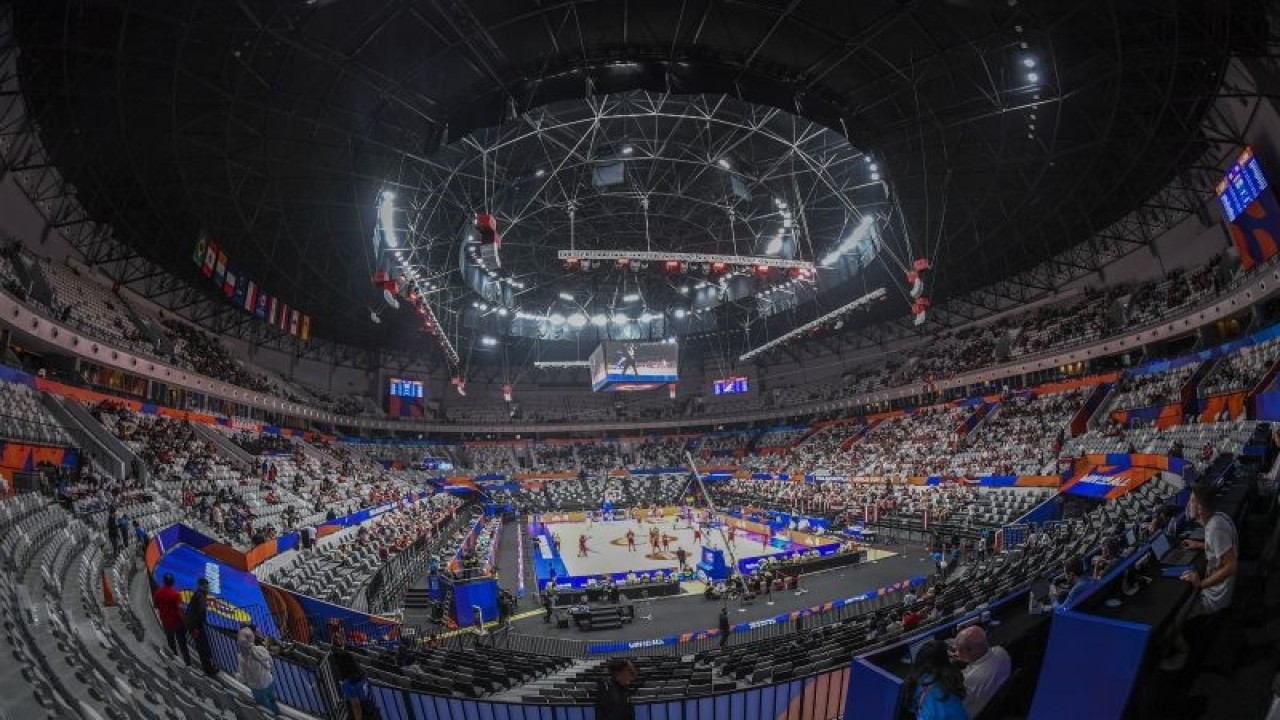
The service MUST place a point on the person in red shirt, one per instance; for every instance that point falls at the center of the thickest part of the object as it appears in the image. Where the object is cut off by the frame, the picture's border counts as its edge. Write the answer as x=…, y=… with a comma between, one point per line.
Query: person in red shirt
x=168, y=604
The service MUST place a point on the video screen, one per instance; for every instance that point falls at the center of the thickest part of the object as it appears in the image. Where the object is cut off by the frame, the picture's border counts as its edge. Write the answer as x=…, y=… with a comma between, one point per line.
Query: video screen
x=1242, y=185
x=405, y=398
x=1251, y=210
x=629, y=365
x=405, y=388
x=731, y=386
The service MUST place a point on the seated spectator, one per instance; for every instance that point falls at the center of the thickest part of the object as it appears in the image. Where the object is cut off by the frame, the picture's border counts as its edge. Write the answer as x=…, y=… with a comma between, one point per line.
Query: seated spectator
x=1076, y=583
x=986, y=668
x=1214, y=589
x=936, y=688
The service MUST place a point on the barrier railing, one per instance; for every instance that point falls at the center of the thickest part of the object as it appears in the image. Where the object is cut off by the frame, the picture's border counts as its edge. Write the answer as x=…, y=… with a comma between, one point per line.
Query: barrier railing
x=817, y=697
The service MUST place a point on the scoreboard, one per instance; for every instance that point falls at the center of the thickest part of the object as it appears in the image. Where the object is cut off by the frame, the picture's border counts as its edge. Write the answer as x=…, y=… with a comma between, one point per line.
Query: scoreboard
x=404, y=388
x=1243, y=183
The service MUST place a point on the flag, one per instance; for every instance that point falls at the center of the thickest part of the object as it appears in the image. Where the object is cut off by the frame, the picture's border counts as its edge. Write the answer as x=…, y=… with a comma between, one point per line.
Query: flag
x=284, y=317
x=210, y=258
x=242, y=287
x=197, y=255
x=273, y=308
x=304, y=329
x=250, y=296
x=293, y=323
x=221, y=268
x=229, y=280
x=261, y=307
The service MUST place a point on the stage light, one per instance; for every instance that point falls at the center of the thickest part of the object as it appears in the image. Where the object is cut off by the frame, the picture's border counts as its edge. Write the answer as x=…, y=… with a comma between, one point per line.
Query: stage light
x=556, y=319
x=502, y=312
x=577, y=320
x=723, y=162
x=620, y=320
x=873, y=167
x=1029, y=62
x=631, y=297
x=599, y=320
x=875, y=176
x=539, y=172
x=680, y=313
x=775, y=242
x=684, y=289
x=488, y=341
x=388, y=195
x=567, y=297
x=646, y=316
x=1033, y=77
x=627, y=149
x=475, y=303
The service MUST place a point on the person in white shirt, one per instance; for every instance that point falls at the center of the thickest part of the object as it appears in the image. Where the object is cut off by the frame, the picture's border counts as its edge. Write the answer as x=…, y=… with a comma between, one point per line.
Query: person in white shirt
x=986, y=668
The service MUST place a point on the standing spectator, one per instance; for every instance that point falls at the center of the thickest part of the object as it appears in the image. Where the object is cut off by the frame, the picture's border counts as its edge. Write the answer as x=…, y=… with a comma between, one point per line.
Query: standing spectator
x=255, y=669
x=140, y=534
x=935, y=690
x=122, y=526
x=169, y=607
x=113, y=530
x=353, y=684
x=197, y=625
x=613, y=696
x=986, y=668
x=724, y=625
x=1214, y=590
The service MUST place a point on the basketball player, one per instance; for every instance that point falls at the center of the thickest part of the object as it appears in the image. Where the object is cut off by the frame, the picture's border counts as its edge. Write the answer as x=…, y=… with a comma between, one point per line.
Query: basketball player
x=627, y=359
x=733, y=531
x=697, y=534
x=631, y=541
x=653, y=540
x=582, y=546
x=666, y=543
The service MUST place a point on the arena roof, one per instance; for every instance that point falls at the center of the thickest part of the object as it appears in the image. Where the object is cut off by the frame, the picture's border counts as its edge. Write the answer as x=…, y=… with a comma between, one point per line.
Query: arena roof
x=1001, y=132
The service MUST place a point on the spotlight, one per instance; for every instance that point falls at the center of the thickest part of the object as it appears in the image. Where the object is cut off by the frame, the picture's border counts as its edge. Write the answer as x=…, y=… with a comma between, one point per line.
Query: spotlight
x=388, y=195
x=1033, y=77
x=631, y=297
x=723, y=162
x=556, y=319
x=873, y=167
x=680, y=313
x=619, y=319
x=502, y=312
x=627, y=149
x=1029, y=62
x=539, y=173
x=567, y=297
x=577, y=320
x=488, y=341
x=599, y=320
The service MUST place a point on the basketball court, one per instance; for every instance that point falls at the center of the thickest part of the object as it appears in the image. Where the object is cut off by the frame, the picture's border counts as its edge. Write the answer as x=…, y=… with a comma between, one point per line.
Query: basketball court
x=607, y=546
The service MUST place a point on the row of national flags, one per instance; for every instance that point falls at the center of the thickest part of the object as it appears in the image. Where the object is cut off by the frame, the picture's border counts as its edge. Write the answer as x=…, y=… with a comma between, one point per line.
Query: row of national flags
x=245, y=292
